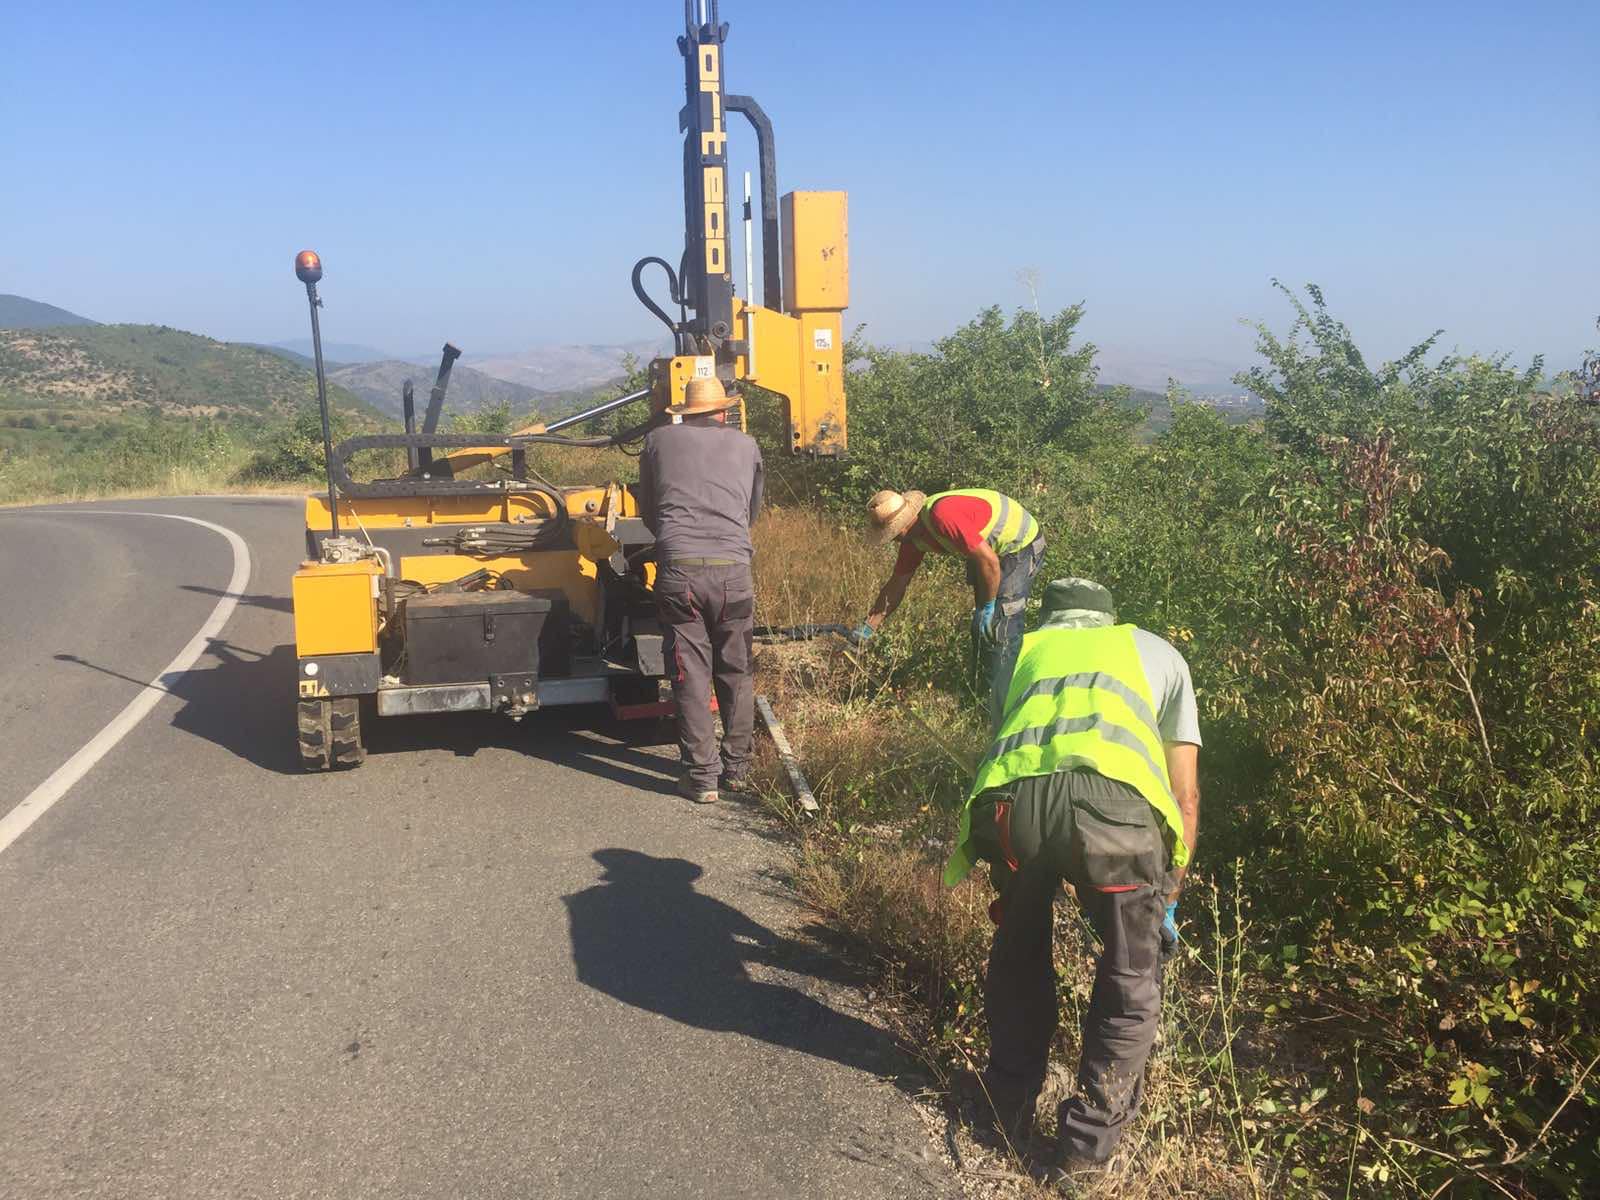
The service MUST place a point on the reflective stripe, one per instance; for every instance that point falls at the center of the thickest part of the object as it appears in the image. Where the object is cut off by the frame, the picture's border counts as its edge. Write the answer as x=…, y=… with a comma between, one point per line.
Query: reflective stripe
x=1030, y=530
x=1055, y=684
x=1043, y=735
x=1001, y=513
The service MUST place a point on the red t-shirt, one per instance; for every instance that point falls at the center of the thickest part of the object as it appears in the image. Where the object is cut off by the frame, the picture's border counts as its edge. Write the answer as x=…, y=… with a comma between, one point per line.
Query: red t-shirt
x=960, y=519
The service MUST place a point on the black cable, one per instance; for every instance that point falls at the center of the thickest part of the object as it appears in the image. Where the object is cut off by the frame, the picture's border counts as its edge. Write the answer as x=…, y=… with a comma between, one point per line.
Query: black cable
x=798, y=633
x=499, y=542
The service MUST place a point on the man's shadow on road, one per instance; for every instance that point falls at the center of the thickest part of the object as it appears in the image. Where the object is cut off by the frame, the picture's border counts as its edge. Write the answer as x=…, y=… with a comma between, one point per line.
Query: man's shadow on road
x=643, y=935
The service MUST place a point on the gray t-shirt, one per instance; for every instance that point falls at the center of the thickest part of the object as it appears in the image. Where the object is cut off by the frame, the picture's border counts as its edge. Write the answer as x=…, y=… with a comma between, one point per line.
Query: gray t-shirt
x=1168, y=673
x=700, y=490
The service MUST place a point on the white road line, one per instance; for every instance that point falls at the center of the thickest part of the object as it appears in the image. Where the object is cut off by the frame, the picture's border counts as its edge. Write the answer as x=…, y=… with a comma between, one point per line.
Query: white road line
x=38, y=802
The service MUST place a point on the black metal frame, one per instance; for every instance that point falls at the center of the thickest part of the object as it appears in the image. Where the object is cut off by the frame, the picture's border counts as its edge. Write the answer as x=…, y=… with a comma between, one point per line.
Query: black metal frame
x=767, y=156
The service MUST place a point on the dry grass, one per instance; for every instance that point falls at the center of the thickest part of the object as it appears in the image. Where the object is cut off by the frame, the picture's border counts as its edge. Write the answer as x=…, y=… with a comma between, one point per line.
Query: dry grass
x=177, y=482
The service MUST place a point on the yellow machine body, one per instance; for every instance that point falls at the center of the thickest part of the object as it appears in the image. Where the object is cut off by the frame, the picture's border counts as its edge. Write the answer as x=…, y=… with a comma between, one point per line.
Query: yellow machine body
x=336, y=608
x=816, y=252
x=799, y=354
x=575, y=573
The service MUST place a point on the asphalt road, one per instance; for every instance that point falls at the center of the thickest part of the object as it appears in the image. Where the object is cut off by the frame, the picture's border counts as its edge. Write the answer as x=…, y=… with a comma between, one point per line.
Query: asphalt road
x=495, y=961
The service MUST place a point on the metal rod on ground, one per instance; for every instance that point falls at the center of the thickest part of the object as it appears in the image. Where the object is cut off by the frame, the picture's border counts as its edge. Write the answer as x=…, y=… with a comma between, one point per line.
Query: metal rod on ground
x=308, y=269
x=599, y=410
x=797, y=780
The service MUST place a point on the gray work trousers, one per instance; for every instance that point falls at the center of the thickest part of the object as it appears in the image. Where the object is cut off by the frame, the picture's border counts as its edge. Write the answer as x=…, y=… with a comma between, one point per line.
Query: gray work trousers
x=1095, y=833
x=993, y=664
x=708, y=615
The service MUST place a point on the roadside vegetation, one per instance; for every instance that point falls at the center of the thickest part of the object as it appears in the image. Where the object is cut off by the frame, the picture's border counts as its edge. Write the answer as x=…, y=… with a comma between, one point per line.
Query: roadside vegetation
x=1389, y=983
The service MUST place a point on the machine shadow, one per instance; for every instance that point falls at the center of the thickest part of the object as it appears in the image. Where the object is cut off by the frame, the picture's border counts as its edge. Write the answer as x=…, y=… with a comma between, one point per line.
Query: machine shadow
x=645, y=937
x=585, y=738
x=235, y=702
x=244, y=701
x=264, y=600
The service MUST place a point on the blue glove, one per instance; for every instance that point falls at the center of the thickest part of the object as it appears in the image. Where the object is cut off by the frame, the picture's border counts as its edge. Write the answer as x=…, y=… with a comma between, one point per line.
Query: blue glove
x=986, y=624
x=862, y=633
x=1169, y=932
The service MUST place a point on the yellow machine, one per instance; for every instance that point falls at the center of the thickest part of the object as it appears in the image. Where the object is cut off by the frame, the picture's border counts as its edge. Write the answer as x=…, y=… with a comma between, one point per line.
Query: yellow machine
x=466, y=584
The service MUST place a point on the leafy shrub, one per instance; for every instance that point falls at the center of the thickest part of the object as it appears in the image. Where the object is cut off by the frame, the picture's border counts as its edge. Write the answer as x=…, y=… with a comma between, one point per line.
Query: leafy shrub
x=1389, y=598
x=293, y=452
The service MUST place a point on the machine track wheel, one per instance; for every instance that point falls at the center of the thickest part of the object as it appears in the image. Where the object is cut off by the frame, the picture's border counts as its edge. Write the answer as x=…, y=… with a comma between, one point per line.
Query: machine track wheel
x=330, y=733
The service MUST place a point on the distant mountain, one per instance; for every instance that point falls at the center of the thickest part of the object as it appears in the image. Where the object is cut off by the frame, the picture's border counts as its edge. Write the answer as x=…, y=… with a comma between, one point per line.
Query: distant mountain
x=108, y=370
x=1205, y=378
x=380, y=384
x=339, y=352
x=18, y=312
x=565, y=368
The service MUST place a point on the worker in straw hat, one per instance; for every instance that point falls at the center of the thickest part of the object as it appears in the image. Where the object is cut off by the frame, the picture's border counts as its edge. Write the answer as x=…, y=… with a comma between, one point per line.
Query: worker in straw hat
x=699, y=492
x=1003, y=548
x=1092, y=780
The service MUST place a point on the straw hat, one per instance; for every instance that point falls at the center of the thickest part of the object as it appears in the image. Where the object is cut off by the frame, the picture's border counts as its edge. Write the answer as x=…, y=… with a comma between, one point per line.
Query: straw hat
x=890, y=514
x=703, y=396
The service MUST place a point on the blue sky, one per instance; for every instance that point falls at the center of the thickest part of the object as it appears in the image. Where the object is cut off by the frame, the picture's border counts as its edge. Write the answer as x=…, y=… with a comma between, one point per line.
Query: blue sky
x=489, y=172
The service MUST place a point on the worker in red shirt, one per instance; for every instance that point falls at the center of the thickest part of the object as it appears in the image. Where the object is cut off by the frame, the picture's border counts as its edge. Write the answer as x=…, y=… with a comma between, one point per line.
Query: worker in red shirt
x=1003, y=547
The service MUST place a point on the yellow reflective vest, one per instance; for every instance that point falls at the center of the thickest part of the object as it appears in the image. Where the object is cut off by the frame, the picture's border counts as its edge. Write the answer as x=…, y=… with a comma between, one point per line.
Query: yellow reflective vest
x=1010, y=526
x=1078, y=698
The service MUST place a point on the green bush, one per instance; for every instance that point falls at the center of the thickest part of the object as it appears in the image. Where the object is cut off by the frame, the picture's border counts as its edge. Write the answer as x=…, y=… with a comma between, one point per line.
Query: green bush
x=998, y=403
x=1389, y=598
x=292, y=452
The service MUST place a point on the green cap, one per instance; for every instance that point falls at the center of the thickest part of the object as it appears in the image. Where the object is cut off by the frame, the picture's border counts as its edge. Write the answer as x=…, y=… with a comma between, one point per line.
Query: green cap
x=1078, y=601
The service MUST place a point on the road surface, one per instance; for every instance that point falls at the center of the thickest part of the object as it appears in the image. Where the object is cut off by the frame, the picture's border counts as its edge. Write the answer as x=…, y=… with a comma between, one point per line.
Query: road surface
x=495, y=961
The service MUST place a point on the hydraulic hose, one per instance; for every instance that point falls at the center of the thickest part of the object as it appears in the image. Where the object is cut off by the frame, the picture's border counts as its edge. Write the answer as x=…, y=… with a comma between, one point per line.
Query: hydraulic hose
x=797, y=633
x=673, y=290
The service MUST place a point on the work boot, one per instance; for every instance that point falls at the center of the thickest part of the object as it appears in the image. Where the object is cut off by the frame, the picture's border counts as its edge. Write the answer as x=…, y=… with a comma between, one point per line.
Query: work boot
x=690, y=790
x=994, y=1122
x=738, y=785
x=1073, y=1175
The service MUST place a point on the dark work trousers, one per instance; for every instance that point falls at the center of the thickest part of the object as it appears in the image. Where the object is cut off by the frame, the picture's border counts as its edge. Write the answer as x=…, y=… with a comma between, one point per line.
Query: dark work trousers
x=708, y=613
x=1095, y=833
x=995, y=663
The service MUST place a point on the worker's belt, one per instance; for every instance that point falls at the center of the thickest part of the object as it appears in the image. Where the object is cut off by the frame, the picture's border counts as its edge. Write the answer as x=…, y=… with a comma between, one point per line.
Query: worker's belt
x=701, y=562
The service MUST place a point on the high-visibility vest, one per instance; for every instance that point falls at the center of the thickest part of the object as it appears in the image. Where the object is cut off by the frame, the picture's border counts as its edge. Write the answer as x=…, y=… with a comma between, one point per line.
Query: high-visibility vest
x=1010, y=526
x=1078, y=698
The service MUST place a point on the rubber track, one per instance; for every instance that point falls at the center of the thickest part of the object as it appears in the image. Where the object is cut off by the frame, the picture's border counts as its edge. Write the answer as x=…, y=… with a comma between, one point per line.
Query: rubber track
x=330, y=733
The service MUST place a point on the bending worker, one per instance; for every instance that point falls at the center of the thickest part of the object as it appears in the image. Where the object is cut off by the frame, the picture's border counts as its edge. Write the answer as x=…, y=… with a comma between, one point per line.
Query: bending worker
x=1091, y=779
x=699, y=493
x=1003, y=547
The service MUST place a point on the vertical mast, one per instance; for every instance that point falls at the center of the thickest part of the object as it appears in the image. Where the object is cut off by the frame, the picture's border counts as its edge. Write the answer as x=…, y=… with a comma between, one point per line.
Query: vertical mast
x=708, y=268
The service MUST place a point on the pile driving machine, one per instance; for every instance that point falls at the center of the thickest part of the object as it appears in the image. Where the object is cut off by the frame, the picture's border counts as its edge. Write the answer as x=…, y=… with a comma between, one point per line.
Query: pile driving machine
x=467, y=583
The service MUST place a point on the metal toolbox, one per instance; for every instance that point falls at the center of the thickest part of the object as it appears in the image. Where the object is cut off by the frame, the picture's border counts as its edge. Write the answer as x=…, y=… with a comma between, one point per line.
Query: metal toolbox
x=466, y=637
